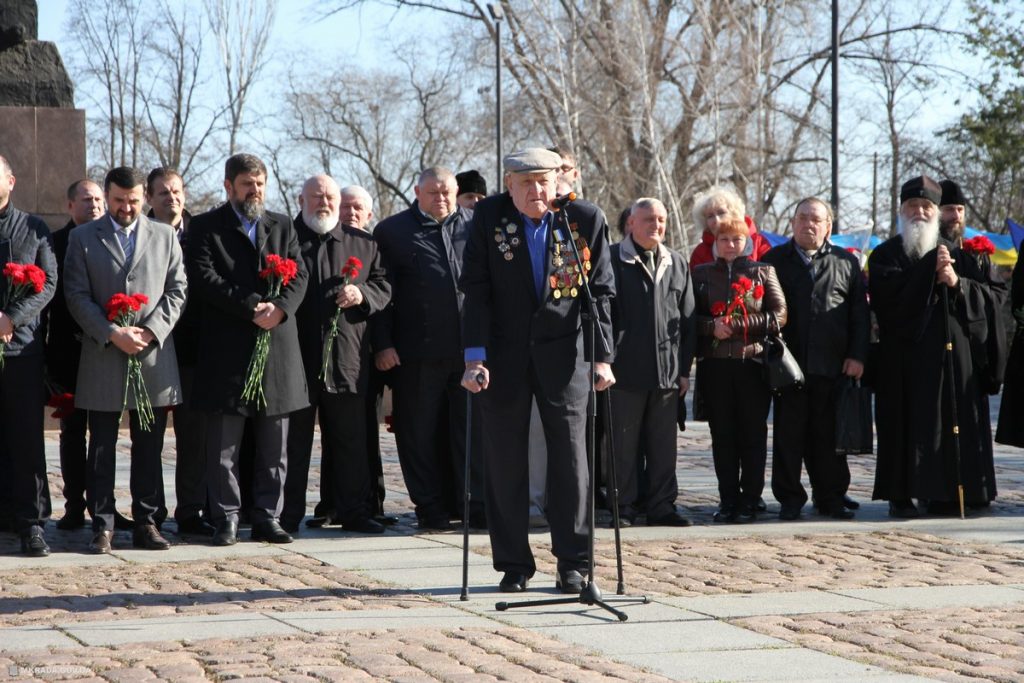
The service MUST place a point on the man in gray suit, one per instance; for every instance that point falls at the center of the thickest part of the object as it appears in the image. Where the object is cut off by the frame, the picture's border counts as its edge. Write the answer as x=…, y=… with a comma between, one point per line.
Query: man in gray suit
x=125, y=252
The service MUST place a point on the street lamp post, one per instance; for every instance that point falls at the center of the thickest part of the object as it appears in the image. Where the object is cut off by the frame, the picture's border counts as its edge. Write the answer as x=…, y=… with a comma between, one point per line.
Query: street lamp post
x=497, y=14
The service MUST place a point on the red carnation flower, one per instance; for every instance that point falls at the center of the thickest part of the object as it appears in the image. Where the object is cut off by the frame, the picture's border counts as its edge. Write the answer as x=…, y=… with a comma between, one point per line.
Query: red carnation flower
x=979, y=245
x=745, y=283
x=758, y=291
x=738, y=288
x=718, y=308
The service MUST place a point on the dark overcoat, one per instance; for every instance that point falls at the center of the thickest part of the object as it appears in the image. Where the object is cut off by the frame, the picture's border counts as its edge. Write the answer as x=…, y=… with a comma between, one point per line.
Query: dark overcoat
x=223, y=273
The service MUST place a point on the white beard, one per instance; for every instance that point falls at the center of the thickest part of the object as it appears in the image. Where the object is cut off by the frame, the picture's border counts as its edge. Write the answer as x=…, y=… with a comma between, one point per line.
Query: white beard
x=919, y=236
x=321, y=225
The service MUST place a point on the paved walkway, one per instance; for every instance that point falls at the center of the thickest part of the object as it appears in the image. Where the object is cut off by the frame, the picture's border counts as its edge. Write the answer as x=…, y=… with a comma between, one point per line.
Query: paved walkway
x=816, y=599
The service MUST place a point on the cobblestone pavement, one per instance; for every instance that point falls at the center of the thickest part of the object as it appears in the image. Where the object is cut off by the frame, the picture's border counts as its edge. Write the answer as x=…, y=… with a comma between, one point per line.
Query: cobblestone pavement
x=942, y=634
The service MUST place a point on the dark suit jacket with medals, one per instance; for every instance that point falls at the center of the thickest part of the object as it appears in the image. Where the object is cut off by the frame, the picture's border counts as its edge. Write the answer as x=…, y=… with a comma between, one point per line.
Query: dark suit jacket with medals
x=502, y=313
x=223, y=273
x=324, y=256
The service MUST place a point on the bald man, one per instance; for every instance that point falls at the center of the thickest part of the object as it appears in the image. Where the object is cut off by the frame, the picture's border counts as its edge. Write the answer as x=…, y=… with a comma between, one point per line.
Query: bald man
x=326, y=245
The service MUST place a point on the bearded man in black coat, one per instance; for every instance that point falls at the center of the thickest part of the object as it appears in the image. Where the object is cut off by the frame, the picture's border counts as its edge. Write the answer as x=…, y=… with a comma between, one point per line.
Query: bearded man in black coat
x=338, y=395
x=918, y=281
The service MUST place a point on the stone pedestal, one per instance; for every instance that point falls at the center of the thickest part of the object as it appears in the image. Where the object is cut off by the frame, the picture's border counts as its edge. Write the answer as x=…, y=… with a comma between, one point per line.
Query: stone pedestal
x=46, y=149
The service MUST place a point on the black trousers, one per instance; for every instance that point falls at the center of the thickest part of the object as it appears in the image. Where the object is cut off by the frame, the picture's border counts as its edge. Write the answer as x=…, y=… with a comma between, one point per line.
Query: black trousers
x=423, y=390
x=22, y=452
x=190, y=459
x=269, y=466
x=374, y=397
x=804, y=431
x=345, y=481
x=645, y=422
x=736, y=399
x=146, y=481
x=73, y=455
x=505, y=423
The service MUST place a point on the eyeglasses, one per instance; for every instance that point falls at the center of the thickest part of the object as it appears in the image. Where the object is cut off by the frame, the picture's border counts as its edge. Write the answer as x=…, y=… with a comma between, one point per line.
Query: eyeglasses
x=566, y=168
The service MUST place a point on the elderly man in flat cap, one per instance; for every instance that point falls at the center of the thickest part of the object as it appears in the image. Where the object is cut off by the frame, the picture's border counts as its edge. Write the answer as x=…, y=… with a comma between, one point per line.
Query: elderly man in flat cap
x=524, y=340
x=920, y=282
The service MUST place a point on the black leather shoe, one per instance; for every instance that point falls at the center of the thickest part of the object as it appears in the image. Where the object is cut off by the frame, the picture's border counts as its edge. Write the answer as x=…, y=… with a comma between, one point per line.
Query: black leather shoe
x=289, y=526
x=513, y=583
x=195, y=526
x=671, y=519
x=435, y=523
x=100, y=543
x=903, y=509
x=146, y=537
x=363, y=525
x=226, y=533
x=122, y=523
x=761, y=506
x=386, y=520
x=850, y=503
x=725, y=515
x=270, y=531
x=746, y=514
x=789, y=512
x=319, y=522
x=71, y=521
x=570, y=582
x=33, y=544
x=841, y=513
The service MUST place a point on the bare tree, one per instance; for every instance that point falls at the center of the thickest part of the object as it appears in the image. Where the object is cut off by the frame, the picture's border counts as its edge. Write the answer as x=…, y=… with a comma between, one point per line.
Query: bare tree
x=242, y=29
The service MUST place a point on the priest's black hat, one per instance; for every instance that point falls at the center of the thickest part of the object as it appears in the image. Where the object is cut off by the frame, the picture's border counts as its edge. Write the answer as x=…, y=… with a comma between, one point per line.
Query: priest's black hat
x=952, y=194
x=921, y=187
x=471, y=181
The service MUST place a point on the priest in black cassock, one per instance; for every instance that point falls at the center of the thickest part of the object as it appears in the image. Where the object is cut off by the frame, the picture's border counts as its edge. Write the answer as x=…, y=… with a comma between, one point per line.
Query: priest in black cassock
x=913, y=408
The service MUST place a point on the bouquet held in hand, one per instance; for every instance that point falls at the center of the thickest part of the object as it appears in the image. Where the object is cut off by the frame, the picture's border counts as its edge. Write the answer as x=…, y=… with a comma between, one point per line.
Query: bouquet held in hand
x=123, y=309
x=349, y=272
x=278, y=273
x=23, y=280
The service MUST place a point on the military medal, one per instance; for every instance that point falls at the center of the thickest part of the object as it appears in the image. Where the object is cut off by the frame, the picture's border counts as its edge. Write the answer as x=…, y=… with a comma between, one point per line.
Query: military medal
x=506, y=243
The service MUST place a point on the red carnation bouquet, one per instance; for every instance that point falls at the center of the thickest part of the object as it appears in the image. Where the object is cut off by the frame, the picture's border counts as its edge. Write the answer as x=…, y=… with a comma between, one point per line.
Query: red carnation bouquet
x=63, y=403
x=745, y=295
x=349, y=272
x=24, y=280
x=278, y=273
x=979, y=245
x=123, y=309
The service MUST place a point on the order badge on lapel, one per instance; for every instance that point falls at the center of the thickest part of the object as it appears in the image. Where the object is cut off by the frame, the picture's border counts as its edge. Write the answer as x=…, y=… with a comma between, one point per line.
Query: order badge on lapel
x=567, y=272
x=507, y=238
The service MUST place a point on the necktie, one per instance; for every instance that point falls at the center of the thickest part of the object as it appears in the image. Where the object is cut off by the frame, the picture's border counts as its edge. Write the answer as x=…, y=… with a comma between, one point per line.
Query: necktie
x=649, y=262
x=124, y=236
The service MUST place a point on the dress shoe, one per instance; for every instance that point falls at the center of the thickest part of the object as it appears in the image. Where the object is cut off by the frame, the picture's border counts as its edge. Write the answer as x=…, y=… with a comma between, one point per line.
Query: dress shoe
x=513, y=582
x=746, y=514
x=850, y=503
x=761, y=506
x=725, y=515
x=270, y=531
x=570, y=581
x=363, y=525
x=626, y=520
x=226, y=533
x=789, y=512
x=318, y=522
x=671, y=519
x=836, y=512
x=122, y=523
x=435, y=523
x=195, y=526
x=146, y=537
x=289, y=526
x=33, y=544
x=71, y=521
x=903, y=509
x=100, y=543
x=386, y=520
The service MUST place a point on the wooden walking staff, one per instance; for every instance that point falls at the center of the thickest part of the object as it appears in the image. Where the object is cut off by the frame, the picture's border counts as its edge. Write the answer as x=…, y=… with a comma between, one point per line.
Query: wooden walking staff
x=951, y=390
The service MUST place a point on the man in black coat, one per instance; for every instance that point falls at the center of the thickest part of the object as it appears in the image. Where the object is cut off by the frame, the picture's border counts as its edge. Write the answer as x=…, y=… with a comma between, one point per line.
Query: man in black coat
x=24, y=239
x=326, y=246
x=418, y=335
x=165, y=194
x=63, y=349
x=827, y=331
x=227, y=249
x=524, y=339
x=914, y=409
x=655, y=338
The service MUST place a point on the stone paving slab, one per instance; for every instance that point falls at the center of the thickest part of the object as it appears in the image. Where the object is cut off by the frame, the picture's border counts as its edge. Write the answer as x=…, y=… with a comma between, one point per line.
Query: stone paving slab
x=33, y=638
x=247, y=625
x=797, y=602
x=323, y=622
x=923, y=598
x=575, y=614
x=763, y=665
x=635, y=638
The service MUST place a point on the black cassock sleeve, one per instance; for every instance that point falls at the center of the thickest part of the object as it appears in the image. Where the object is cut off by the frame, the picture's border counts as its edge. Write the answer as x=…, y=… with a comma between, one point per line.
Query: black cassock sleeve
x=902, y=291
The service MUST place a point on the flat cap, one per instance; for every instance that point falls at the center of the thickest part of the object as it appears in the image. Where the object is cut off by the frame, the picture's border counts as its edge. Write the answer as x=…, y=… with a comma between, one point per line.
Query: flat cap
x=952, y=194
x=471, y=181
x=532, y=160
x=921, y=187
